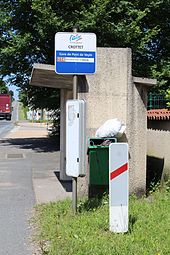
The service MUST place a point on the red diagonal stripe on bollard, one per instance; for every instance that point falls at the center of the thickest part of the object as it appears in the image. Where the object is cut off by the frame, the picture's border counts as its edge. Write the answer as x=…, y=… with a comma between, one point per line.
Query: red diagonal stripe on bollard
x=118, y=171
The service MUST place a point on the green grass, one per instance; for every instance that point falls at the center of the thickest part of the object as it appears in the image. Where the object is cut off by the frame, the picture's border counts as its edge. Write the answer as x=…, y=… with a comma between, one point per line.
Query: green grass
x=39, y=121
x=62, y=233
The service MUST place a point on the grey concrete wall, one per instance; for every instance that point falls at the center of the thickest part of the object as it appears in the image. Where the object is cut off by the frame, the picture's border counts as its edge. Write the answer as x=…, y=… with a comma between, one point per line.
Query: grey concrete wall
x=136, y=135
x=107, y=89
x=111, y=93
x=158, y=147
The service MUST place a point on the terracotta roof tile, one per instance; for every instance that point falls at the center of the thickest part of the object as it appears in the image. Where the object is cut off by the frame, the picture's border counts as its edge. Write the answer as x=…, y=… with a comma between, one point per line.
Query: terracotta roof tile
x=158, y=114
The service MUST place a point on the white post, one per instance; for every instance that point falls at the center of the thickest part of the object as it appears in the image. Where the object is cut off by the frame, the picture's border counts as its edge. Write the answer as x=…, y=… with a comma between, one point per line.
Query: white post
x=118, y=187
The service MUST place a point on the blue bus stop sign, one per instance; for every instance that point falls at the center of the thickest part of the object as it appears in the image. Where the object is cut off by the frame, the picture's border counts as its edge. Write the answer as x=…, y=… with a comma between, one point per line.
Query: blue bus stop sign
x=75, y=53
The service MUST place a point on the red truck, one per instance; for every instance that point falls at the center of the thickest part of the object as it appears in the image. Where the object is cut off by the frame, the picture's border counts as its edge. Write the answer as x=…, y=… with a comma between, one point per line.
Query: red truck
x=5, y=106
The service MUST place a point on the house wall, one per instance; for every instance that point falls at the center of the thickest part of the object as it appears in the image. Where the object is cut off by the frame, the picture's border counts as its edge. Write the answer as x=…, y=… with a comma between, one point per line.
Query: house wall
x=158, y=151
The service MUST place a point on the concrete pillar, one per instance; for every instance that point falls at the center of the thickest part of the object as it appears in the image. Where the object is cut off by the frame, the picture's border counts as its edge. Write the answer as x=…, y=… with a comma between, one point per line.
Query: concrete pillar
x=137, y=131
x=137, y=136
x=64, y=95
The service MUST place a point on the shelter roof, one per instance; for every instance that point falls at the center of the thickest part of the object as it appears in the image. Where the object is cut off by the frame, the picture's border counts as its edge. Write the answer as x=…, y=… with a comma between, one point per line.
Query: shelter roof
x=44, y=75
x=144, y=81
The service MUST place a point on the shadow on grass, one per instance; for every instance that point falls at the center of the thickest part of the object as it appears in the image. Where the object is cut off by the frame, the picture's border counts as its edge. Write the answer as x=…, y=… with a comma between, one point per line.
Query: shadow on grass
x=44, y=144
x=132, y=221
x=92, y=203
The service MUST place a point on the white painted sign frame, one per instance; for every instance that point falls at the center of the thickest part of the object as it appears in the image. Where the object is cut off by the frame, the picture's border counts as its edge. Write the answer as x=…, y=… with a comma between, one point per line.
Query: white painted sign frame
x=75, y=53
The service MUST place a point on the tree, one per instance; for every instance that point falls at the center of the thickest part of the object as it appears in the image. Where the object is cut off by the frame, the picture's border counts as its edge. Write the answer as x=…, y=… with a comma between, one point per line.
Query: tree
x=168, y=98
x=42, y=98
x=27, y=29
x=3, y=88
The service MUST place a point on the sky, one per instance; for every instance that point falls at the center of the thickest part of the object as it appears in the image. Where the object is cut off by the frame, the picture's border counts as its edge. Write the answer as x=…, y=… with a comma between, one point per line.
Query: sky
x=15, y=90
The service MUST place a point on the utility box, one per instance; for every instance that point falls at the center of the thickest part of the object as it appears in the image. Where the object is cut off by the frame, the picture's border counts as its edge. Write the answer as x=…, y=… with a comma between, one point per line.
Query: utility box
x=98, y=151
x=75, y=138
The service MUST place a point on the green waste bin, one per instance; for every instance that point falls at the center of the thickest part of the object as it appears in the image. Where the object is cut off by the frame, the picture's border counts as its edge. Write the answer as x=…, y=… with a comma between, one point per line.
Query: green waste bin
x=98, y=151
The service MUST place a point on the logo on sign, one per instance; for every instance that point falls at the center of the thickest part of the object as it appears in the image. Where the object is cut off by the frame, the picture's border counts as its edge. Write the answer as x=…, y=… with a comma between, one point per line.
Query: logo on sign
x=75, y=38
x=61, y=59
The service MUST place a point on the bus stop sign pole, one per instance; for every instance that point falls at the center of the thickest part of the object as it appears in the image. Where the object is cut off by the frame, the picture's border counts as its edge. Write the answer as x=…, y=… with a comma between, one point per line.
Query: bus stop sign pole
x=74, y=179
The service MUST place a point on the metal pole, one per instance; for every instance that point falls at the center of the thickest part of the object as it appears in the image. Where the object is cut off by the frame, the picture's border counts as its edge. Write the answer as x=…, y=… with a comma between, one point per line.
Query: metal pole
x=74, y=194
x=74, y=179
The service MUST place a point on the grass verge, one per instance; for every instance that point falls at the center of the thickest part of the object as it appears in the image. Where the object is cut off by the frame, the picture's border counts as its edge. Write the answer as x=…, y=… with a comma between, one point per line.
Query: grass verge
x=62, y=233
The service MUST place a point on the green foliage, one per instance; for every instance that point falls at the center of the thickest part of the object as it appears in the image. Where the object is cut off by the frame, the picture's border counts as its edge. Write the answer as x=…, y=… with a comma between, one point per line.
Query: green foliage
x=168, y=97
x=38, y=97
x=27, y=29
x=87, y=233
x=3, y=88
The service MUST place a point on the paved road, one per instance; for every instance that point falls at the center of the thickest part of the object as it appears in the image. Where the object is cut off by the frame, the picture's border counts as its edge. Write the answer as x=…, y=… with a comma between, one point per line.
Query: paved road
x=16, y=203
x=5, y=125
x=16, y=194
x=29, y=170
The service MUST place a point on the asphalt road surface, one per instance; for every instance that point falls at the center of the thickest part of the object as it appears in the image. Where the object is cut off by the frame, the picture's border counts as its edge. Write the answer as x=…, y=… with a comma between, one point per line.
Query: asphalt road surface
x=6, y=125
x=16, y=194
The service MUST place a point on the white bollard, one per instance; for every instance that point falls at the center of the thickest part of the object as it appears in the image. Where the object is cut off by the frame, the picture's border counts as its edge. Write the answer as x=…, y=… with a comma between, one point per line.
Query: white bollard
x=118, y=187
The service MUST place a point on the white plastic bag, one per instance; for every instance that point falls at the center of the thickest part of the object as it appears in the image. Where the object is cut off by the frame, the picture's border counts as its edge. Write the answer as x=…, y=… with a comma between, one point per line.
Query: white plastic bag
x=111, y=128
